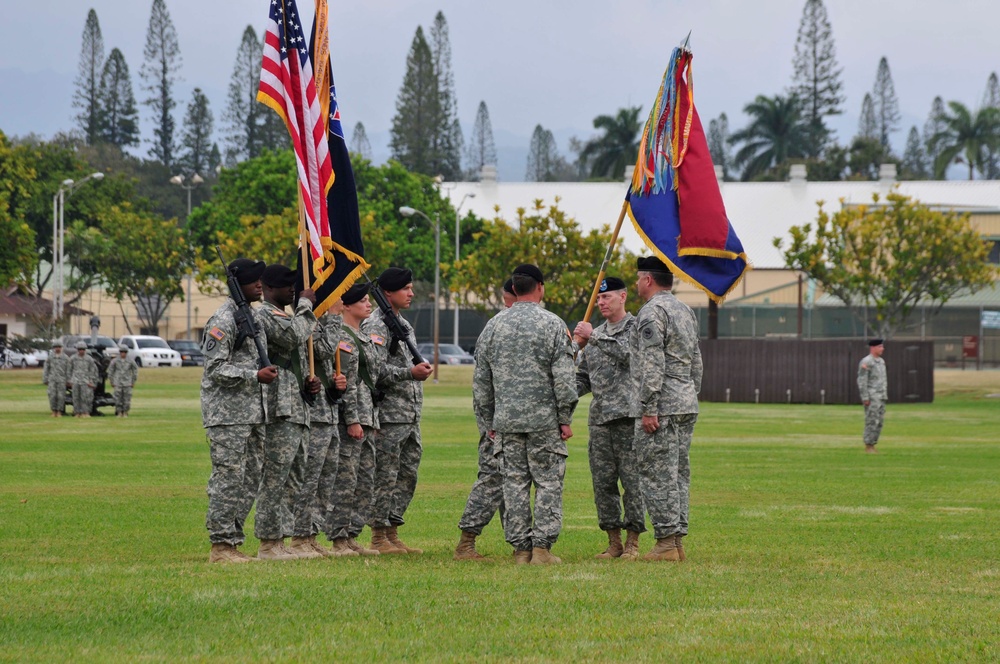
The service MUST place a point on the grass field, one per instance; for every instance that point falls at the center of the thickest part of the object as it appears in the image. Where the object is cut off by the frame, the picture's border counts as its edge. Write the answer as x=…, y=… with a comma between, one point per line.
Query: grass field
x=802, y=547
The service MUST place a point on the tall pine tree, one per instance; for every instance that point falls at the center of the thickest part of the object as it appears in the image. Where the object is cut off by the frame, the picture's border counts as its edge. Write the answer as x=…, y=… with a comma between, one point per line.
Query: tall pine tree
x=914, y=164
x=934, y=125
x=360, y=143
x=543, y=156
x=991, y=99
x=119, y=118
x=196, y=141
x=482, y=147
x=244, y=116
x=718, y=144
x=417, y=118
x=88, y=80
x=445, y=145
x=885, y=104
x=868, y=123
x=159, y=74
x=816, y=81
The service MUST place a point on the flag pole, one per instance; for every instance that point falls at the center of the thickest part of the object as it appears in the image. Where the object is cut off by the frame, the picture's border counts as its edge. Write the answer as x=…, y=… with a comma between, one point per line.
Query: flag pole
x=604, y=267
x=306, y=281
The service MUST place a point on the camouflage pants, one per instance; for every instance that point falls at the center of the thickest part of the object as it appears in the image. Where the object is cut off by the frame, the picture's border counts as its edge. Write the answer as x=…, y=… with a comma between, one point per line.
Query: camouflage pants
x=665, y=472
x=284, y=441
x=313, y=499
x=353, y=486
x=874, y=417
x=83, y=399
x=123, y=399
x=57, y=397
x=397, y=457
x=486, y=497
x=538, y=458
x=233, y=483
x=612, y=458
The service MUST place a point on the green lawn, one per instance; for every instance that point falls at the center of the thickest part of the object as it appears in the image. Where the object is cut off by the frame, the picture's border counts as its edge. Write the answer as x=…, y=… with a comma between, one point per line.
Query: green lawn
x=802, y=547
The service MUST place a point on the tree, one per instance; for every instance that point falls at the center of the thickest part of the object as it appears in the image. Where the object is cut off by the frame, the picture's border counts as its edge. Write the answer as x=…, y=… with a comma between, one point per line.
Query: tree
x=914, y=164
x=360, y=143
x=417, y=111
x=119, y=118
x=966, y=137
x=718, y=144
x=609, y=154
x=866, y=156
x=890, y=255
x=214, y=159
x=244, y=116
x=932, y=127
x=18, y=258
x=159, y=73
x=88, y=80
x=542, y=156
x=867, y=124
x=445, y=145
x=482, y=147
x=991, y=99
x=816, y=81
x=196, y=141
x=775, y=134
x=885, y=104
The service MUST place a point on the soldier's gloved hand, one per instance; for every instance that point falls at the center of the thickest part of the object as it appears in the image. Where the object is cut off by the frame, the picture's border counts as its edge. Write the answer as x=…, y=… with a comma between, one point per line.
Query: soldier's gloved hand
x=313, y=385
x=340, y=382
x=421, y=371
x=355, y=431
x=267, y=375
x=565, y=432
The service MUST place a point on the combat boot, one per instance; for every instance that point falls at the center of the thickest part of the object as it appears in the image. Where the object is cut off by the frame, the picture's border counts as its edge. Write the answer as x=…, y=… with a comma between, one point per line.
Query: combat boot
x=301, y=547
x=319, y=548
x=615, y=548
x=870, y=449
x=631, y=545
x=522, y=557
x=540, y=556
x=227, y=553
x=381, y=543
x=361, y=550
x=680, y=547
x=274, y=550
x=393, y=536
x=665, y=549
x=339, y=548
x=466, y=549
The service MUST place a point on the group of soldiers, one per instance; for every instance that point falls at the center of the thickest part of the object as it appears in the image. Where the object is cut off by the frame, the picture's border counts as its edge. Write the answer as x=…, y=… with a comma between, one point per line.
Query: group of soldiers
x=81, y=375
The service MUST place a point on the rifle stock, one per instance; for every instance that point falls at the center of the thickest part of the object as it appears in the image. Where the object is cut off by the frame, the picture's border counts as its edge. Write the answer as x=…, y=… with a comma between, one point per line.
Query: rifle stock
x=245, y=324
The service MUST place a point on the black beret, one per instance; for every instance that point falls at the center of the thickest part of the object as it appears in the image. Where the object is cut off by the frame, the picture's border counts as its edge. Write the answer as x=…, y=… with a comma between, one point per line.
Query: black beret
x=355, y=293
x=508, y=286
x=529, y=270
x=395, y=278
x=651, y=264
x=874, y=342
x=612, y=284
x=246, y=270
x=278, y=276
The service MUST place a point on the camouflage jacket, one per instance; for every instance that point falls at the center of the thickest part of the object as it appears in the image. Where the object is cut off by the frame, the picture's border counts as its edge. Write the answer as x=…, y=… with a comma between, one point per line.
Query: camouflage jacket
x=286, y=347
x=873, y=384
x=325, y=341
x=666, y=360
x=404, y=396
x=56, y=369
x=604, y=370
x=524, y=376
x=230, y=392
x=358, y=360
x=122, y=372
x=83, y=370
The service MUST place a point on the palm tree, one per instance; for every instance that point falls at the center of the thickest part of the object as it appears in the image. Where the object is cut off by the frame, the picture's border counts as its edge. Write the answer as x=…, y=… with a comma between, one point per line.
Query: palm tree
x=966, y=137
x=619, y=146
x=777, y=132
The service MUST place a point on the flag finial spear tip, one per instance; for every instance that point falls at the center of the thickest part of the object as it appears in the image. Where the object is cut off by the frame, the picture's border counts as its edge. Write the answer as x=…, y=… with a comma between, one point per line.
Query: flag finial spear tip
x=686, y=44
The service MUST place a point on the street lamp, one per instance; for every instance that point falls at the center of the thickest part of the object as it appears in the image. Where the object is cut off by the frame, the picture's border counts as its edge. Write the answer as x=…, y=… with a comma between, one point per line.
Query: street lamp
x=67, y=186
x=195, y=181
x=471, y=194
x=407, y=211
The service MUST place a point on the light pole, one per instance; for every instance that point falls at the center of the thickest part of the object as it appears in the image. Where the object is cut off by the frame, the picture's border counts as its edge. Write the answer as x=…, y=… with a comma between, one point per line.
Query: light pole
x=67, y=186
x=407, y=211
x=195, y=181
x=471, y=194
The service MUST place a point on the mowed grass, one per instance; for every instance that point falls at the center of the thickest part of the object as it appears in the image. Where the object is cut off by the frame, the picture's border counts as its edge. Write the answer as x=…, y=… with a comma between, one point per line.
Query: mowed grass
x=802, y=547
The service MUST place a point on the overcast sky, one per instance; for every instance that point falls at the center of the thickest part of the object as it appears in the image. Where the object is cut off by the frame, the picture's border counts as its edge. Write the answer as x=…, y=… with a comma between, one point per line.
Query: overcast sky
x=557, y=63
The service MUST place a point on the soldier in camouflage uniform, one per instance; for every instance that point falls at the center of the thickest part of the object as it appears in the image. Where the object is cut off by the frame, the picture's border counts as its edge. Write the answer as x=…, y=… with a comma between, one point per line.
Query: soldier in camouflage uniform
x=604, y=370
x=56, y=376
x=232, y=410
x=122, y=375
x=524, y=393
x=666, y=369
x=874, y=388
x=83, y=376
x=397, y=442
x=286, y=433
x=486, y=497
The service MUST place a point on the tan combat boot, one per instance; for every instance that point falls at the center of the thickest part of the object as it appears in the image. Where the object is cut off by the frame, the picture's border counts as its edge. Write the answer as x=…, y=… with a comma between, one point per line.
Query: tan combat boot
x=615, y=548
x=870, y=449
x=274, y=550
x=466, y=549
x=665, y=549
x=361, y=550
x=302, y=547
x=339, y=548
x=522, y=557
x=381, y=543
x=540, y=556
x=680, y=547
x=227, y=553
x=631, y=545
x=393, y=535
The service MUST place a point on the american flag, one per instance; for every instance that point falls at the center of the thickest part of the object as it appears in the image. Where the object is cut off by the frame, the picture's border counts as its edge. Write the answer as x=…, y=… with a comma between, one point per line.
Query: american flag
x=287, y=86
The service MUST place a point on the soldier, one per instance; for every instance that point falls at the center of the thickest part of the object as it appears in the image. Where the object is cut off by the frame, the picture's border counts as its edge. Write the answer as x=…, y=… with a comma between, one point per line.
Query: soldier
x=232, y=410
x=524, y=394
x=397, y=442
x=666, y=369
x=56, y=376
x=486, y=497
x=83, y=376
x=122, y=375
x=355, y=482
x=604, y=370
x=286, y=433
x=874, y=388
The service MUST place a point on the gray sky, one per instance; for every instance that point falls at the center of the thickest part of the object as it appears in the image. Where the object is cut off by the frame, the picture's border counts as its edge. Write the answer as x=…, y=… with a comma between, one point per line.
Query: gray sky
x=558, y=63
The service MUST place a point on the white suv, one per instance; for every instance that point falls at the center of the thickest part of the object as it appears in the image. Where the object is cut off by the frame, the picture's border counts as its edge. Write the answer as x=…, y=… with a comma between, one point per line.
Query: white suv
x=149, y=351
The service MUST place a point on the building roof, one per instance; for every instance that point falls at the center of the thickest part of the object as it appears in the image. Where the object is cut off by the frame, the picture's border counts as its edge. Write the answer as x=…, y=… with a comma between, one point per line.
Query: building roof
x=15, y=303
x=987, y=297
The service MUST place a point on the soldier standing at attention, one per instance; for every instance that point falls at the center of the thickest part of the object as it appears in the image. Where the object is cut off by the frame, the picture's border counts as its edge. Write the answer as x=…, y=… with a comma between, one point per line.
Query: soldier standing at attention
x=666, y=369
x=232, y=411
x=874, y=388
x=286, y=433
x=397, y=442
x=604, y=370
x=83, y=376
x=524, y=394
x=486, y=497
x=56, y=376
x=122, y=375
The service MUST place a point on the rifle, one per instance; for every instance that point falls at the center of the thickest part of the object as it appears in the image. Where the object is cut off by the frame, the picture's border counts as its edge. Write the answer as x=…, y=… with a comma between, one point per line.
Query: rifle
x=245, y=324
x=396, y=329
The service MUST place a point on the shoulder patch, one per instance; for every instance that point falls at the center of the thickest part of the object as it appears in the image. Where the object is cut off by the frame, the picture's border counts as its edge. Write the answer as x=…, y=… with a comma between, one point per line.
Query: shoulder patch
x=217, y=333
x=346, y=347
x=278, y=312
x=378, y=340
x=210, y=346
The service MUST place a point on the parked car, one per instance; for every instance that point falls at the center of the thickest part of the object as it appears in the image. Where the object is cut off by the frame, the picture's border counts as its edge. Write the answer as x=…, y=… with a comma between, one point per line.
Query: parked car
x=13, y=359
x=447, y=354
x=191, y=355
x=106, y=345
x=149, y=351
